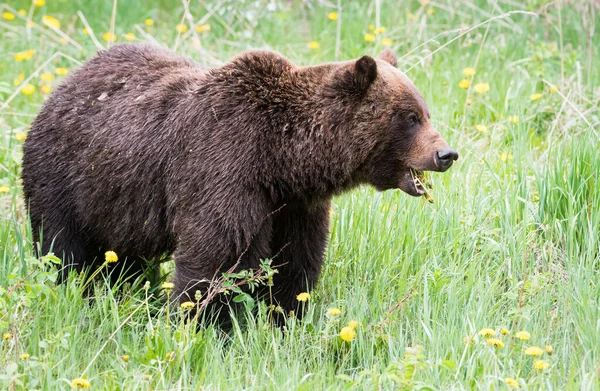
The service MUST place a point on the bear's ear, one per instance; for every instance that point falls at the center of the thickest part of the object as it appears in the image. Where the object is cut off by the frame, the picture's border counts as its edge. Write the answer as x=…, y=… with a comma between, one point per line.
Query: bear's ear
x=365, y=72
x=388, y=56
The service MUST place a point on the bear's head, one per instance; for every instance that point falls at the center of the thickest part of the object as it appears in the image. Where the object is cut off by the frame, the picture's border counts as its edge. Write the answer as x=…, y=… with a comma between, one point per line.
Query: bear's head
x=392, y=123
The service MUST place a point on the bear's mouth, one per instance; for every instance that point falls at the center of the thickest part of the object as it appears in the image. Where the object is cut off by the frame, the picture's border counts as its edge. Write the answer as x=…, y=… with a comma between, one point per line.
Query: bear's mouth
x=416, y=183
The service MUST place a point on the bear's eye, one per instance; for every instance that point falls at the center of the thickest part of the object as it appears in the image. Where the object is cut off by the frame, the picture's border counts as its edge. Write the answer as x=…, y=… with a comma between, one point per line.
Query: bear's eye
x=412, y=119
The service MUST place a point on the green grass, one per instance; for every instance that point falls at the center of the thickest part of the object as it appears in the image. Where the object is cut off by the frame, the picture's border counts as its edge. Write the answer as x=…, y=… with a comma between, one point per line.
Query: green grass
x=512, y=240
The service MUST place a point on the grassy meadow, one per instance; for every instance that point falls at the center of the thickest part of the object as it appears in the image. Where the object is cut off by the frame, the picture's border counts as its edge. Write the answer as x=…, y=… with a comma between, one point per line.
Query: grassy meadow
x=451, y=295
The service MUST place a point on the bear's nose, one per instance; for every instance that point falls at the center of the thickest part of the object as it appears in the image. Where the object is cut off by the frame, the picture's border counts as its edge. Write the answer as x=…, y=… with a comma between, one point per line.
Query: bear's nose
x=445, y=158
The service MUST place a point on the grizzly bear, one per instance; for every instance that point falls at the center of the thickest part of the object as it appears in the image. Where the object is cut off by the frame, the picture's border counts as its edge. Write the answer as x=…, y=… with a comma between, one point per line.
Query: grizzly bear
x=146, y=153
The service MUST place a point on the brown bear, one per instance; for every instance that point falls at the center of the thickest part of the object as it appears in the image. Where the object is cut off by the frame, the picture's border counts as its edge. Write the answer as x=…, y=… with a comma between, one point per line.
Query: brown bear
x=146, y=153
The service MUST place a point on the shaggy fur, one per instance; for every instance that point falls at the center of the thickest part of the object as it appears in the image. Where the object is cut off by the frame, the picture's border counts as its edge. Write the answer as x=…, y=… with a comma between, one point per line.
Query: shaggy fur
x=146, y=153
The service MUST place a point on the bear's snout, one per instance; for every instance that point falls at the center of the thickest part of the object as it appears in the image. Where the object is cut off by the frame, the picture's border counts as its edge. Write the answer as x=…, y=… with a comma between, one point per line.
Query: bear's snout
x=444, y=158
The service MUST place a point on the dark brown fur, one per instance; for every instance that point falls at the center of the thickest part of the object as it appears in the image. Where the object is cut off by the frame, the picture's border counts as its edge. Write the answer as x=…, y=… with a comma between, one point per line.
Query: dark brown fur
x=146, y=153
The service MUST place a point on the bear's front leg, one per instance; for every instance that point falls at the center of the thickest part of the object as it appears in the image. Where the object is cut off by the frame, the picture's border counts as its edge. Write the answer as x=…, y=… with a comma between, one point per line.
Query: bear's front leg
x=300, y=234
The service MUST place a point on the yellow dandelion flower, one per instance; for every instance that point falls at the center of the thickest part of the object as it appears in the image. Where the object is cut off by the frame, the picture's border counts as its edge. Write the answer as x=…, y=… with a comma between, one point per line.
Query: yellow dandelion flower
x=111, y=257
x=369, y=37
x=47, y=76
x=411, y=16
x=513, y=118
x=371, y=27
x=469, y=71
x=495, y=342
x=522, y=335
x=25, y=356
x=313, y=45
x=109, y=37
x=347, y=334
x=30, y=24
x=169, y=356
x=19, y=56
x=332, y=15
x=188, y=305
x=20, y=136
x=481, y=128
x=5, y=189
x=353, y=324
x=511, y=382
x=62, y=71
x=379, y=30
x=125, y=357
x=86, y=31
x=22, y=12
x=182, y=28
x=534, y=351
x=168, y=285
x=464, y=83
x=468, y=340
x=504, y=331
x=431, y=11
x=549, y=349
x=17, y=82
x=304, y=296
x=481, y=88
x=553, y=88
x=80, y=383
x=39, y=3
x=387, y=42
x=21, y=76
x=504, y=156
x=51, y=22
x=202, y=28
x=334, y=311
x=148, y=22
x=487, y=332
x=130, y=36
x=8, y=15
x=535, y=96
x=541, y=364
x=28, y=89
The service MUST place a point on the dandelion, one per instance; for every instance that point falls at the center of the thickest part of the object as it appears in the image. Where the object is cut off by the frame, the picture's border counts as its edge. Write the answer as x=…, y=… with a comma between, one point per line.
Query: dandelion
x=202, y=28
x=17, y=82
x=369, y=37
x=63, y=41
x=481, y=128
x=148, y=22
x=28, y=89
x=371, y=27
x=62, y=71
x=468, y=340
x=167, y=286
x=109, y=37
x=80, y=383
x=169, y=356
x=30, y=24
x=313, y=45
x=379, y=30
x=513, y=118
x=549, y=349
x=125, y=357
x=522, y=335
x=504, y=156
x=8, y=15
x=39, y=3
x=495, y=342
x=20, y=136
x=487, y=332
x=504, y=331
x=553, y=89
x=387, y=42
x=25, y=356
x=86, y=31
x=47, y=77
x=511, y=382
x=130, y=36
x=534, y=351
x=535, y=96
x=332, y=15
x=411, y=16
x=51, y=22
x=334, y=311
x=481, y=88
x=188, y=305
x=541, y=364
x=347, y=334
x=181, y=28
x=469, y=71
x=353, y=324
x=431, y=11
x=4, y=189
x=304, y=296
x=111, y=257
x=464, y=84
x=22, y=12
